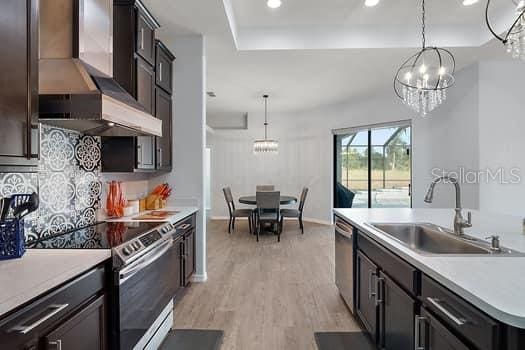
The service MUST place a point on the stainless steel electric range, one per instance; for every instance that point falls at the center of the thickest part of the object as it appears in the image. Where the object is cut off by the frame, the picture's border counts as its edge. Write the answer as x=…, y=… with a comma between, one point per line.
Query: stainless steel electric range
x=144, y=274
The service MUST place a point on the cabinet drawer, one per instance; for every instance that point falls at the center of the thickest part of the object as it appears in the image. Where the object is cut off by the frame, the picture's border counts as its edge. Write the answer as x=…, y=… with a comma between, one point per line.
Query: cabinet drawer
x=35, y=319
x=466, y=320
x=403, y=273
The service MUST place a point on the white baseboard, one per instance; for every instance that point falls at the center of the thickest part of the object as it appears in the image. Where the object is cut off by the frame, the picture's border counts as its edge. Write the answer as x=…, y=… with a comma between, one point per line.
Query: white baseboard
x=199, y=278
x=315, y=221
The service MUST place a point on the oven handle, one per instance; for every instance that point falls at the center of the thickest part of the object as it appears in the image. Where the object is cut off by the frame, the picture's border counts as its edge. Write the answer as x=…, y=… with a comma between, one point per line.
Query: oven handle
x=128, y=272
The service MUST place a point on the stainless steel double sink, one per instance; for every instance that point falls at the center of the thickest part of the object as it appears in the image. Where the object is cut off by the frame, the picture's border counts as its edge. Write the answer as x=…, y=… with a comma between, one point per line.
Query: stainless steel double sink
x=430, y=239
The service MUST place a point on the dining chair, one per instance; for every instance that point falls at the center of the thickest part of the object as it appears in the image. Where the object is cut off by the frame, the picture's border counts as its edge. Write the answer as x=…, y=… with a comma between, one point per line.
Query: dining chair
x=296, y=213
x=268, y=203
x=236, y=213
x=262, y=188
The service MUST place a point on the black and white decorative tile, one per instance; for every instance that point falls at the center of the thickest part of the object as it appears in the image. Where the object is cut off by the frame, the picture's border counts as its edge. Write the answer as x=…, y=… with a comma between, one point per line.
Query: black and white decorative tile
x=68, y=183
x=87, y=153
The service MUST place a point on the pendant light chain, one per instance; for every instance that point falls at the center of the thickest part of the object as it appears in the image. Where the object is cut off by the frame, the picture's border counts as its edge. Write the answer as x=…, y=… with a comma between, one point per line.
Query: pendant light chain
x=265, y=117
x=423, y=25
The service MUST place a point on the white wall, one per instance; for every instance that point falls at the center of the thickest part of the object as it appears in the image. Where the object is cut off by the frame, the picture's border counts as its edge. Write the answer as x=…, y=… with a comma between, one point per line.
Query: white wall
x=448, y=140
x=502, y=133
x=189, y=135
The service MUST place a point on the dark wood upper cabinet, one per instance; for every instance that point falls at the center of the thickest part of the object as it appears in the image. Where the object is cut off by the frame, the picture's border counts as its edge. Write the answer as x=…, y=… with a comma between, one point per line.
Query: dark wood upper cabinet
x=19, y=85
x=145, y=40
x=145, y=88
x=133, y=39
x=163, y=67
x=163, y=111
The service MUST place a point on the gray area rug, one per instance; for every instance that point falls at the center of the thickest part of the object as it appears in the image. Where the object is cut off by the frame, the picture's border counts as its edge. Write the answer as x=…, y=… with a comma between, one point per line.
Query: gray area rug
x=343, y=341
x=193, y=339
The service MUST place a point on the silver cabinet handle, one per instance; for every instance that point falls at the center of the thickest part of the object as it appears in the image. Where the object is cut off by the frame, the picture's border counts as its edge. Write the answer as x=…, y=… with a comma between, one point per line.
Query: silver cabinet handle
x=142, y=38
x=379, y=290
x=159, y=162
x=139, y=156
x=56, y=343
x=54, y=309
x=371, y=275
x=417, y=333
x=160, y=71
x=437, y=304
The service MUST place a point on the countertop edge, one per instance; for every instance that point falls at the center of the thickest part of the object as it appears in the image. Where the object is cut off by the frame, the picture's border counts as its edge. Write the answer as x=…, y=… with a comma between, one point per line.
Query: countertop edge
x=34, y=291
x=502, y=316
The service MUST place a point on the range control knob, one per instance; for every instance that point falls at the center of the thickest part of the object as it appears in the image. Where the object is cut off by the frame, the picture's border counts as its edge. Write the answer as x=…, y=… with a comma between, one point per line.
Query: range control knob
x=136, y=245
x=127, y=250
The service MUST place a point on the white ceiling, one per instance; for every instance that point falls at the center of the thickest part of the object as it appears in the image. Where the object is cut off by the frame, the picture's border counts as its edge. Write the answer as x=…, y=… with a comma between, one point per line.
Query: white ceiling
x=309, y=77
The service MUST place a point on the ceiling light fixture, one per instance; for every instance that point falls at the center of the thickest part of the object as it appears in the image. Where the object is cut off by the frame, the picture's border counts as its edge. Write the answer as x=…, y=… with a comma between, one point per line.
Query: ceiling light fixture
x=423, y=79
x=265, y=146
x=469, y=2
x=371, y=3
x=274, y=4
x=514, y=39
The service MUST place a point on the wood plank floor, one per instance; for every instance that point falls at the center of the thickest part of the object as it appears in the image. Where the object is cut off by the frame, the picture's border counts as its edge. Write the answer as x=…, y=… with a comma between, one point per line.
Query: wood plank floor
x=267, y=295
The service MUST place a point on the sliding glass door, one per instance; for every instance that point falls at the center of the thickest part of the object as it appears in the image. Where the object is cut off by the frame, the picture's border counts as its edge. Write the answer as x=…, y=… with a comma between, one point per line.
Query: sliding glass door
x=373, y=167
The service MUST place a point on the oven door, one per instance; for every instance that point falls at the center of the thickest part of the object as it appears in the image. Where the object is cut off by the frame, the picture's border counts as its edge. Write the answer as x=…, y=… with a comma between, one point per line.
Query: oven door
x=145, y=287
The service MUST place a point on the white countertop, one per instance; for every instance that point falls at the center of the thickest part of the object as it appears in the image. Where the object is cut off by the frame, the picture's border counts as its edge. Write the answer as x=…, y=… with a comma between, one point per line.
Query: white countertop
x=41, y=270
x=182, y=213
x=494, y=284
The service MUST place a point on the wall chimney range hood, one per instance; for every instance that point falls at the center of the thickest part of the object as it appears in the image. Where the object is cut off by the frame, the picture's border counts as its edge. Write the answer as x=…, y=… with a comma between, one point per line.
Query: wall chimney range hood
x=76, y=86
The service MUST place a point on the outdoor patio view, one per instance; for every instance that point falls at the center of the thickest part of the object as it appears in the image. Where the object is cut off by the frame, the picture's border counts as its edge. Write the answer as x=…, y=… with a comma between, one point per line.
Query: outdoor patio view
x=373, y=167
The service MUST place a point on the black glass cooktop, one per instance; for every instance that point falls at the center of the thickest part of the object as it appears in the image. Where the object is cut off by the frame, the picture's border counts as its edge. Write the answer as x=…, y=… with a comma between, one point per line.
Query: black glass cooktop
x=105, y=235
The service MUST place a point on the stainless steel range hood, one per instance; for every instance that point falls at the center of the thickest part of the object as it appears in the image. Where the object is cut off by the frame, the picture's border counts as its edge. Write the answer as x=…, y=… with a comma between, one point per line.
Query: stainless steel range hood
x=76, y=88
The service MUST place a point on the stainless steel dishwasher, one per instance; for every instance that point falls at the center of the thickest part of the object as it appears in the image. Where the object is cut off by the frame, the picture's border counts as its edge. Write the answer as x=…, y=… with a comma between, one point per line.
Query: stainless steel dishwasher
x=344, y=261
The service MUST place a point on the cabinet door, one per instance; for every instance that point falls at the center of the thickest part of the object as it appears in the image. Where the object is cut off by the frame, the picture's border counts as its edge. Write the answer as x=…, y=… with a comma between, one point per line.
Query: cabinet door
x=145, y=37
x=86, y=330
x=433, y=335
x=163, y=69
x=163, y=111
x=145, y=85
x=19, y=83
x=146, y=152
x=189, y=256
x=179, y=268
x=367, y=274
x=396, y=325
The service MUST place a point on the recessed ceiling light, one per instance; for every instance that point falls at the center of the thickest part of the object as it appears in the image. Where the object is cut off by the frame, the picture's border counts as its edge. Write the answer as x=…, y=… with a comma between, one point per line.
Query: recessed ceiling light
x=273, y=4
x=469, y=2
x=371, y=3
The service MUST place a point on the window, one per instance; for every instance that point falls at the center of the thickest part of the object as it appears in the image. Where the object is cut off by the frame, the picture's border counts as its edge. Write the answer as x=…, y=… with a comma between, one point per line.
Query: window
x=373, y=167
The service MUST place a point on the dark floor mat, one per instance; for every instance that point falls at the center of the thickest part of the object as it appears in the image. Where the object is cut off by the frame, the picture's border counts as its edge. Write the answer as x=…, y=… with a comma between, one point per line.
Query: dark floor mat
x=193, y=339
x=343, y=341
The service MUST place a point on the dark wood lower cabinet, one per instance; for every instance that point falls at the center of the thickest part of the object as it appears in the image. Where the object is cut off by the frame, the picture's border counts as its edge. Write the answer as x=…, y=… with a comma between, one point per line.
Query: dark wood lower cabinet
x=396, y=315
x=189, y=256
x=433, y=335
x=366, y=307
x=86, y=330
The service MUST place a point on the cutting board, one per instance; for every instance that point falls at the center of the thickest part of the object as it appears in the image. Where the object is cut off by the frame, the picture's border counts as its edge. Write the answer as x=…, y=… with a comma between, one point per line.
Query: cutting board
x=156, y=215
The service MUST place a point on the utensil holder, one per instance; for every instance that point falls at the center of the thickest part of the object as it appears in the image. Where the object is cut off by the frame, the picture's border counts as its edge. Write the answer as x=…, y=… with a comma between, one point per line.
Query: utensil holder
x=12, y=239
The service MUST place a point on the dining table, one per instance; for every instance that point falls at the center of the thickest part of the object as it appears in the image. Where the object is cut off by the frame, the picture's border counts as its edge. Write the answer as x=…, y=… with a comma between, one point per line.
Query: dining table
x=251, y=200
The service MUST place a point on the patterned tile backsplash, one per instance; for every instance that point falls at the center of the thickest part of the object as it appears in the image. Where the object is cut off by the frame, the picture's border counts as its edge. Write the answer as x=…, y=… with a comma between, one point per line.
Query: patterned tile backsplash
x=68, y=182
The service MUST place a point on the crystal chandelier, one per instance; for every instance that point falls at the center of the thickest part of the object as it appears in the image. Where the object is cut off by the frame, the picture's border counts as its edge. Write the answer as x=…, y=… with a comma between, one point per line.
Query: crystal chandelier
x=514, y=39
x=423, y=79
x=265, y=146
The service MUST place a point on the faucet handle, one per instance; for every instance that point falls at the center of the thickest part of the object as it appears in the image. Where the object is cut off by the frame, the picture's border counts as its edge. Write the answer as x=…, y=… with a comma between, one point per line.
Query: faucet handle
x=469, y=219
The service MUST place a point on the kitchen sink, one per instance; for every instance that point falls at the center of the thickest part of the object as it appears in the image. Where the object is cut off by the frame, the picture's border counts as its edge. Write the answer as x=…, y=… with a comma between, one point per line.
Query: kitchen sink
x=428, y=238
